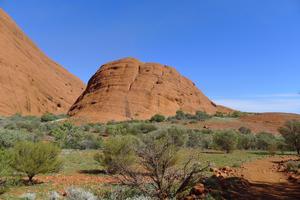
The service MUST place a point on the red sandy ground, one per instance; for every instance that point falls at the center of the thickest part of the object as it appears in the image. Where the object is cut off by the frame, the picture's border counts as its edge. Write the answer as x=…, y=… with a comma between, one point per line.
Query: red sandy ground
x=265, y=181
x=75, y=179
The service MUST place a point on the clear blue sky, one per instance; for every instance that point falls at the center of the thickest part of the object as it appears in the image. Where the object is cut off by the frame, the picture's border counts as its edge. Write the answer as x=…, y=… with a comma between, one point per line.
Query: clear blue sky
x=241, y=53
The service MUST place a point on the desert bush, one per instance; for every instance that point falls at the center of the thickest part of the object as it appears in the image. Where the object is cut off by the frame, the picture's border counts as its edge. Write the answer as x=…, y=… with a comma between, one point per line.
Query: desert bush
x=79, y=194
x=244, y=130
x=117, y=129
x=130, y=128
x=4, y=163
x=48, y=117
x=219, y=114
x=35, y=158
x=54, y=196
x=198, y=116
x=226, y=140
x=180, y=115
x=4, y=169
x=292, y=166
x=199, y=139
x=141, y=128
x=281, y=145
x=117, y=150
x=159, y=161
x=176, y=136
x=69, y=136
x=246, y=141
x=201, y=116
x=158, y=118
x=120, y=192
x=265, y=141
x=28, y=196
x=291, y=133
x=8, y=138
x=237, y=114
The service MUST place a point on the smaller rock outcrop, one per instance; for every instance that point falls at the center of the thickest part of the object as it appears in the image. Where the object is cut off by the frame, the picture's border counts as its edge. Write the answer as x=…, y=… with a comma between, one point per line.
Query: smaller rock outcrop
x=130, y=89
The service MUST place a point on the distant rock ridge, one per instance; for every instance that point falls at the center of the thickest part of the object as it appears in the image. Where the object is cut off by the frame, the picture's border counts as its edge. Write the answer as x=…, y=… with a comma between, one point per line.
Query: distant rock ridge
x=130, y=89
x=31, y=83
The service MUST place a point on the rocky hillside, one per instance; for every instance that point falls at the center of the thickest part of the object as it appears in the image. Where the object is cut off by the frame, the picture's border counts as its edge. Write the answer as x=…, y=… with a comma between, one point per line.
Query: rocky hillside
x=129, y=89
x=31, y=83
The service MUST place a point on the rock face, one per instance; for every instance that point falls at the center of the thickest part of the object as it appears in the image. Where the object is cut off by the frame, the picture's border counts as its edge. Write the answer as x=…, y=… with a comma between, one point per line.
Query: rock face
x=31, y=83
x=129, y=89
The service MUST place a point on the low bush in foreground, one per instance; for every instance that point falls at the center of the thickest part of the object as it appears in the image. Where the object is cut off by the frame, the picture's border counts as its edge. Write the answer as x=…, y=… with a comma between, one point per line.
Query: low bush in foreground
x=153, y=158
x=35, y=158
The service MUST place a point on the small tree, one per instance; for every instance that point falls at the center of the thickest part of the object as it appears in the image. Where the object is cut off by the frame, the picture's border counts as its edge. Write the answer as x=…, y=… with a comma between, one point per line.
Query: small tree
x=291, y=133
x=158, y=162
x=158, y=118
x=246, y=141
x=117, y=151
x=265, y=140
x=226, y=140
x=35, y=158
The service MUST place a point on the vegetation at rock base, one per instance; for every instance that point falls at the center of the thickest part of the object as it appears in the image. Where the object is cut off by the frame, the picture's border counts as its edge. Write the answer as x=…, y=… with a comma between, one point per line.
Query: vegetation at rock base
x=158, y=118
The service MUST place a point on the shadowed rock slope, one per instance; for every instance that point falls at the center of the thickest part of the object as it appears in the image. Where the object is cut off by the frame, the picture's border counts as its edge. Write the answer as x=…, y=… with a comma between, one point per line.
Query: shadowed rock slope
x=31, y=83
x=129, y=89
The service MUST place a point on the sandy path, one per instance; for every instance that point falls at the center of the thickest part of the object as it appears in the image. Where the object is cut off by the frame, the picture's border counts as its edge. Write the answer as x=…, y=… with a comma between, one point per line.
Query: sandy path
x=266, y=182
x=264, y=170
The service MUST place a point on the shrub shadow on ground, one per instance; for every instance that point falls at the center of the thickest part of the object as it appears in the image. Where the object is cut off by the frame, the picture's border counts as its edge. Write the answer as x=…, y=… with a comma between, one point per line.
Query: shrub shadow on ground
x=241, y=189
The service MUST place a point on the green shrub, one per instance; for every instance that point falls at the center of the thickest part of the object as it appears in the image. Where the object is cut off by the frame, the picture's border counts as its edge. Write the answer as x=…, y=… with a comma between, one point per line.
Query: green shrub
x=8, y=138
x=292, y=166
x=199, y=139
x=48, y=117
x=265, y=141
x=71, y=137
x=176, y=136
x=237, y=114
x=35, y=158
x=226, y=140
x=117, y=150
x=201, y=116
x=141, y=128
x=4, y=164
x=158, y=118
x=291, y=133
x=159, y=160
x=118, y=129
x=244, y=130
x=246, y=141
x=180, y=115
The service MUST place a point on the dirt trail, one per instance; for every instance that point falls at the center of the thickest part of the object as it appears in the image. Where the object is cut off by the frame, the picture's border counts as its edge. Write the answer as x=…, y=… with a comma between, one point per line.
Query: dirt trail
x=266, y=182
x=264, y=170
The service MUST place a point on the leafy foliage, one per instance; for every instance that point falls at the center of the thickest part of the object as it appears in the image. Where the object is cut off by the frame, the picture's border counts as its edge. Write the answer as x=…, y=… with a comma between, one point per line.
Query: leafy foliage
x=226, y=140
x=291, y=133
x=158, y=118
x=118, y=150
x=35, y=158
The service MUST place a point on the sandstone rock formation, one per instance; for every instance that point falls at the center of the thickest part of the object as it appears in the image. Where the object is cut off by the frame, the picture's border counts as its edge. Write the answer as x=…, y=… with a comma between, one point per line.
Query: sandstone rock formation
x=31, y=83
x=129, y=89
